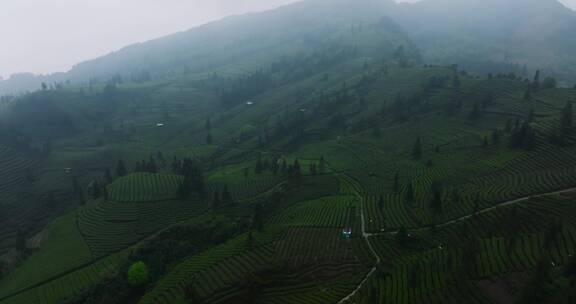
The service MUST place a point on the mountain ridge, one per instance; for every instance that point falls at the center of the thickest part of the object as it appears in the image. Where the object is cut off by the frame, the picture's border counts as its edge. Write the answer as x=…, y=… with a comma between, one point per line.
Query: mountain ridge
x=434, y=25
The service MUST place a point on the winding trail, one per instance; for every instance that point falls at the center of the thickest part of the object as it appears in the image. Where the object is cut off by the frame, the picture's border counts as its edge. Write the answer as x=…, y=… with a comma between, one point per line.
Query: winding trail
x=486, y=210
x=366, y=237
x=505, y=204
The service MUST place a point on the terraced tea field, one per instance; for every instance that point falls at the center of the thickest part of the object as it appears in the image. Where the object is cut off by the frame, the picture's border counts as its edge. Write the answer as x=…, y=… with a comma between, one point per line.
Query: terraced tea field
x=65, y=250
x=111, y=226
x=246, y=189
x=336, y=211
x=71, y=283
x=13, y=190
x=145, y=187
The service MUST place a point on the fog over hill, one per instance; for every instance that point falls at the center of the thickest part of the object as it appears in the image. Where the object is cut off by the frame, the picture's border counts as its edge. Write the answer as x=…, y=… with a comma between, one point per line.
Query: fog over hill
x=479, y=35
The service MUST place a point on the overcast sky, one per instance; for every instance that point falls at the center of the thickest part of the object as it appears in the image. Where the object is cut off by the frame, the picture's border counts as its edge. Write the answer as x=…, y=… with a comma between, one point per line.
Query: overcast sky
x=45, y=36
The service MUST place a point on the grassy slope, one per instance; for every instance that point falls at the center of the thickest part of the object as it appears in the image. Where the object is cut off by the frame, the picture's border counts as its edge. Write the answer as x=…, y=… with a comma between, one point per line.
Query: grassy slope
x=63, y=248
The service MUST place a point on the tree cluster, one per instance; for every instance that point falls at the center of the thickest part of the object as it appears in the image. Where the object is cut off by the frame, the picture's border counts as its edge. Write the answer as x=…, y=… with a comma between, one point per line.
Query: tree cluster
x=523, y=137
x=564, y=127
x=193, y=176
x=223, y=197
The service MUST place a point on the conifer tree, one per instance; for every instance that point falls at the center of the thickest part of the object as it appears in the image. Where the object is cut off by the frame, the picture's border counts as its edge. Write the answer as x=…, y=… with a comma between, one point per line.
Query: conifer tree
x=313, y=169
x=322, y=165
x=475, y=112
x=258, y=218
x=414, y=275
x=566, y=120
x=508, y=127
x=527, y=94
x=297, y=170
x=552, y=233
x=75, y=186
x=3, y=214
x=417, y=149
x=259, y=167
x=47, y=147
x=376, y=132
x=226, y=196
x=396, y=186
x=455, y=196
x=121, y=169
x=275, y=166
x=536, y=82
x=20, y=240
x=105, y=196
x=51, y=201
x=29, y=175
x=523, y=137
x=549, y=83
x=96, y=191
x=477, y=203
x=495, y=136
x=530, y=118
x=456, y=81
x=265, y=164
x=216, y=200
x=249, y=240
x=107, y=176
x=185, y=188
x=80, y=196
x=409, y=196
x=151, y=166
x=436, y=203
x=381, y=203
x=175, y=165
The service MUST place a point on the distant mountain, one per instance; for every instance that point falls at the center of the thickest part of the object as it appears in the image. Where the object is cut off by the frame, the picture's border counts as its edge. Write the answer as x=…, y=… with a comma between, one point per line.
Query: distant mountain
x=232, y=43
x=228, y=45
x=488, y=34
x=480, y=35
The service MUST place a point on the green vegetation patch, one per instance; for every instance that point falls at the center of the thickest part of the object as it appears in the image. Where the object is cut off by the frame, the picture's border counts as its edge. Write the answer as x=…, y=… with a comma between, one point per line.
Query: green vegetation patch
x=71, y=284
x=145, y=187
x=335, y=211
x=63, y=249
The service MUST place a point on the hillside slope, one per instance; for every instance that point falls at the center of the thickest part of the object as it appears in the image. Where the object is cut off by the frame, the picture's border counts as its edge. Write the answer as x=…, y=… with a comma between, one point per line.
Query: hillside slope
x=339, y=167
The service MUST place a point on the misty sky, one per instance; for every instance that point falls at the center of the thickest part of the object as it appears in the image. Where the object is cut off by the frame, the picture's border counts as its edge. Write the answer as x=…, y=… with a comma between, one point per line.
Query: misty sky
x=45, y=36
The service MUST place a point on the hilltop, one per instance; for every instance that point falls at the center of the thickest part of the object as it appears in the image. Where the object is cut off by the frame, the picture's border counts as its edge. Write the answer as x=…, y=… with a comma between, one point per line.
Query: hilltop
x=501, y=35
x=482, y=36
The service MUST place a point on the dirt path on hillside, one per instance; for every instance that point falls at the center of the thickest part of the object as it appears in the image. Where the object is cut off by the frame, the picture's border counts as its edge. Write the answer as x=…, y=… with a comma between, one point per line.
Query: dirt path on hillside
x=366, y=237
x=486, y=210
